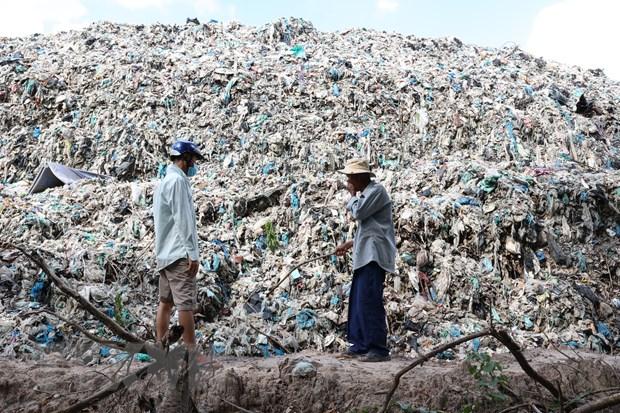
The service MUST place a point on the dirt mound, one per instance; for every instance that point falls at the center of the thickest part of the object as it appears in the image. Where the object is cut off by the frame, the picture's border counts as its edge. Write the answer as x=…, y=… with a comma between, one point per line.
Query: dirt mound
x=278, y=384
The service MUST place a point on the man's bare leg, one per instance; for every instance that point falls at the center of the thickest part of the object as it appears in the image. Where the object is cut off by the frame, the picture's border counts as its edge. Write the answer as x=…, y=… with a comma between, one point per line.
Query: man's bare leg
x=186, y=319
x=163, y=319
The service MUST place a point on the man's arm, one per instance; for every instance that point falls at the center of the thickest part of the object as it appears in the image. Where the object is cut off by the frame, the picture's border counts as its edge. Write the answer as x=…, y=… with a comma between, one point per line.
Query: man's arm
x=343, y=248
x=367, y=204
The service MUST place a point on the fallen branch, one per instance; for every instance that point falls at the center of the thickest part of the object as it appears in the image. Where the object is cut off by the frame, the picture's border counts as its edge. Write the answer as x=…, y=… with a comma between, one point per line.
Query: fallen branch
x=124, y=383
x=119, y=345
x=503, y=337
x=426, y=357
x=599, y=404
x=588, y=394
x=134, y=344
x=64, y=287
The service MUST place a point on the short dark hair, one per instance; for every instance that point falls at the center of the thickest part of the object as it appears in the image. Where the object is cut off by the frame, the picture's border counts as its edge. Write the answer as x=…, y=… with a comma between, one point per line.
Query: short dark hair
x=184, y=155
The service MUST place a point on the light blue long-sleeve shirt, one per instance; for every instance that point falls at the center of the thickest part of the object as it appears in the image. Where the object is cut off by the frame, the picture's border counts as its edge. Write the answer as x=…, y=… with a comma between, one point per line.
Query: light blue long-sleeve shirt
x=175, y=219
x=374, y=239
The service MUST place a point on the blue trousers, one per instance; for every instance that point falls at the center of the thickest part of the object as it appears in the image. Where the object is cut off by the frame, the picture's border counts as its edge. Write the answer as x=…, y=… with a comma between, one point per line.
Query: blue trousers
x=366, y=328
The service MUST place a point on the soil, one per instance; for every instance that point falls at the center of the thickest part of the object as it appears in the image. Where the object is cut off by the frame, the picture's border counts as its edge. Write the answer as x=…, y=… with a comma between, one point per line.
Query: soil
x=334, y=385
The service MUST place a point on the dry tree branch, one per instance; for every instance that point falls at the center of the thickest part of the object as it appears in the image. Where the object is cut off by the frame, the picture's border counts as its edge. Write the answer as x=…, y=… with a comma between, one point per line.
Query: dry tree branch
x=119, y=345
x=503, y=337
x=132, y=345
x=599, y=404
x=124, y=383
x=421, y=359
x=578, y=398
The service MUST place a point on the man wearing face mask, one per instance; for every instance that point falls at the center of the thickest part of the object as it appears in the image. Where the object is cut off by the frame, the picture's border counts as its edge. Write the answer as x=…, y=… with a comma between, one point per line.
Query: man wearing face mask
x=374, y=252
x=176, y=241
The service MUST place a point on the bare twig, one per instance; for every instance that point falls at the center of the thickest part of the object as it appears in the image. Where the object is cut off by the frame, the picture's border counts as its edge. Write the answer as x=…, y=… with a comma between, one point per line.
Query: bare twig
x=599, y=404
x=104, y=375
x=270, y=338
x=508, y=391
x=426, y=357
x=516, y=407
x=110, y=343
x=272, y=289
x=241, y=409
x=536, y=409
x=558, y=349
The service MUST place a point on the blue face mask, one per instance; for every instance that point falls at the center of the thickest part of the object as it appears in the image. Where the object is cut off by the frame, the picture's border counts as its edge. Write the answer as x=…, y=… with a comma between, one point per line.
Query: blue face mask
x=192, y=171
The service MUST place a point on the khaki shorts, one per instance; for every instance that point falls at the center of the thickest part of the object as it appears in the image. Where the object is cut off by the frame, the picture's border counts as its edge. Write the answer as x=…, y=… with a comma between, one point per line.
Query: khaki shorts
x=176, y=286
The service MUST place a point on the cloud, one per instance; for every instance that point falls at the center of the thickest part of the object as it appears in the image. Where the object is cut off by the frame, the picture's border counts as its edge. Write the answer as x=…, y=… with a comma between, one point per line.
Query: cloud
x=579, y=32
x=387, y=6
x=25, y=17
x=143, y=4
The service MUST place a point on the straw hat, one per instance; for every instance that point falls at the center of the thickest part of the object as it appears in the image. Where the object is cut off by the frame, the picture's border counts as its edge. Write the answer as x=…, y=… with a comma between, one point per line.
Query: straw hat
x=356, y=166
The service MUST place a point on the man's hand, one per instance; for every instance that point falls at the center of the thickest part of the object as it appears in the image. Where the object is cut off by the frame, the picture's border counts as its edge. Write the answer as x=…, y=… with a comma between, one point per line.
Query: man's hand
x=351, y=189
x=343, y=248
x=193, y=268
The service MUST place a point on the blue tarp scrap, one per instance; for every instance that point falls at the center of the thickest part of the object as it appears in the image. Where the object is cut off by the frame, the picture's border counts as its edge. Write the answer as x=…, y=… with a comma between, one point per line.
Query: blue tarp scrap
x=581, y=260
x=267, y=350
x=335, y=90
x=285, y=239
x=218, y=347
x=511, y=135
x=40, y=290
x=212, y=265
x=465, y=200
x=294, y=198
x=602, y=329
x=295, y=275
x=487, y=264
x=298, y=50
x=335, y=74
x=260, y=243
x=228, y=90
x=446, y=355
x=268, y=168
x=104, y=351
x=454, y=331
x=305, y=319
x=48, y=335
x=222, y=246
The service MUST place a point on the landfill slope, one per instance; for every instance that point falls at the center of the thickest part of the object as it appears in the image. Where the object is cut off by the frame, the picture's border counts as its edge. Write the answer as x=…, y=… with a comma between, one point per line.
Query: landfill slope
x=502, y=167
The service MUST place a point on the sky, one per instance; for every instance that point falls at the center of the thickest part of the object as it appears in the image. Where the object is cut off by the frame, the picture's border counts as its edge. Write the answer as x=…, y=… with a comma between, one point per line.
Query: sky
x=581, y=32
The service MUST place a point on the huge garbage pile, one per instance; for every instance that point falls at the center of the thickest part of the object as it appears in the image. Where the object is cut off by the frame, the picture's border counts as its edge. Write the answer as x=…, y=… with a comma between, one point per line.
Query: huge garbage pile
x=503, y=169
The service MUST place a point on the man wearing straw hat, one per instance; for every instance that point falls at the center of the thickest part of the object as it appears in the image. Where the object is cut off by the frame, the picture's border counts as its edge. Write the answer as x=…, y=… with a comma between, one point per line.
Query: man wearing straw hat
x=374, y=251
